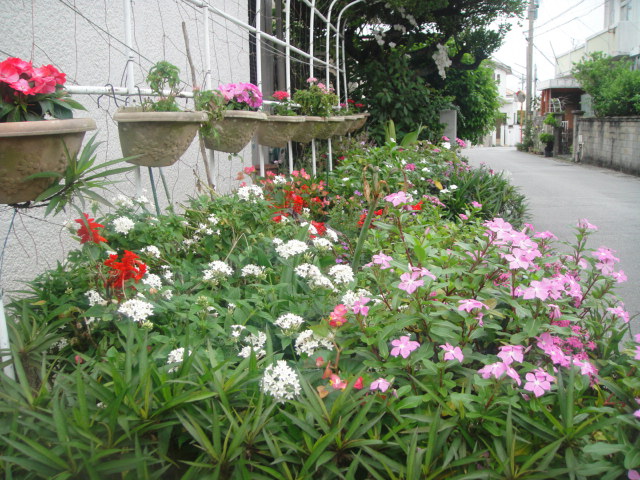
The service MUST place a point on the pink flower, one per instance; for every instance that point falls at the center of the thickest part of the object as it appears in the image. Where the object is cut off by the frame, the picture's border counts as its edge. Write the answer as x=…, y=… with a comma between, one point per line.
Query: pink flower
x=584, y=223
x=410, y=282
x=398, y=198
x=513, y=374
x=510, y=353
x=619, y=277
x=312, y=80
x=637, y=355
x=545, y=235
x=469, y=304
x=445, y=139
x=249, y=170
x=463, y=216
x=359, y=306
x=337, y=317
x=538, y=382
x=495, y=370
x=410, y=166
x=403, y=347
x=637, y=413
x=358, y=384
x=537, y=290
x=379, y=384
x=337, y=383
x=475, y=204
x=452, y=353
x=382, y=260
x=619, y=312
x=423, y=272
x=633, y=475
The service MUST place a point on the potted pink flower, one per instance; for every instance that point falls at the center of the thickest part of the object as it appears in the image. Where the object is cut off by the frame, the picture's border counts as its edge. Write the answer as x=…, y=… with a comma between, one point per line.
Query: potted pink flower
x=37, y=130
x=282, y=125
x=233, y=115
x=316, y=103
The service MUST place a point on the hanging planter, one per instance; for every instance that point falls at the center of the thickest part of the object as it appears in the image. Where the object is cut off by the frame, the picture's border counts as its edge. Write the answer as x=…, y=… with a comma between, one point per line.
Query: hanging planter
x=328, y=127
x=346, y=126
x=27, y=148
x=159, y=138
x=359, y=121
x=277, y=130
x=234, y=131
x=306, y=133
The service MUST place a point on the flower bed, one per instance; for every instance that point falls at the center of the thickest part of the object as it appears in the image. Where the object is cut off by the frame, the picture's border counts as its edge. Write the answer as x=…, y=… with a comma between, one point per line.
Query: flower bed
x=235, y=340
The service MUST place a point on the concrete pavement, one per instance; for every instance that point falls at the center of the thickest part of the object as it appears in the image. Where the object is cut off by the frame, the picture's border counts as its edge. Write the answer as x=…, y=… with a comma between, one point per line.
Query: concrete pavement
x=560, y=192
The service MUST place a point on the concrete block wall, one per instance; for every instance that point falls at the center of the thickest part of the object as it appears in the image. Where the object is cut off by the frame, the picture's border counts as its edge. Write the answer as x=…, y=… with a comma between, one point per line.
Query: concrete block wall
x=611, y=142
x=85, y=40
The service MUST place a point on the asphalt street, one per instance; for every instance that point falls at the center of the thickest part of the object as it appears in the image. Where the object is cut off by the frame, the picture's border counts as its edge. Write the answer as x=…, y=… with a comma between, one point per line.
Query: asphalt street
x=560, y=193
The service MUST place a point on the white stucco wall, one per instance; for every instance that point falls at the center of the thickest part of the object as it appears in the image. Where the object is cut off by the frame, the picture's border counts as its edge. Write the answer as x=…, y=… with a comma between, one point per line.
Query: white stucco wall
x=85, y=39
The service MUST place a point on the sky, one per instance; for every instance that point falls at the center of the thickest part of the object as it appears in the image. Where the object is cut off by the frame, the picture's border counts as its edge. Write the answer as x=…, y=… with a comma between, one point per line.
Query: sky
x=561, y=25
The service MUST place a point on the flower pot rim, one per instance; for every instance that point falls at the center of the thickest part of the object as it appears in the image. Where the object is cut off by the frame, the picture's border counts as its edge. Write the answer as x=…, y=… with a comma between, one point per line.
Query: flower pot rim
x=335, y=119
x=137, y=116
x=245, y=114
x=312, y=118
x=286, y=118
x=46, y=127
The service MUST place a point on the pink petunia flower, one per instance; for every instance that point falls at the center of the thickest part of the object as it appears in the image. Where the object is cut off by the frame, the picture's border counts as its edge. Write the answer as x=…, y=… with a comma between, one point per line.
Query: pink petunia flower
x=452, y=353
x=380, y=384
x=403, y=346
x=410, y=282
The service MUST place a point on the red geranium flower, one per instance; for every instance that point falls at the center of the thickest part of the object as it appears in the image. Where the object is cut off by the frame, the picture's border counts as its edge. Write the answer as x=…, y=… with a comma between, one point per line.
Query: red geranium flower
x=91, y=233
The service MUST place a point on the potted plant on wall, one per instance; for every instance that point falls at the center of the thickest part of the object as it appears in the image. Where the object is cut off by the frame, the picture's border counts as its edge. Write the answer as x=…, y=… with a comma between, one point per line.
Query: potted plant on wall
x=547, y=140
x=232, y=115
x=158, y=133
x=316, y=103
x=36, y=128
x=282, y=125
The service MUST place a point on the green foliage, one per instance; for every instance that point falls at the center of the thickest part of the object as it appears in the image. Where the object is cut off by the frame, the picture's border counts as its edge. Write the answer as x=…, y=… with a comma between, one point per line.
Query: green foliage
x=79, y=181
x=613, y=86
x=212, y=102
x=163, y=76
x=316, y=100
x=394, y=92
x=547, y=138
x=476, y=97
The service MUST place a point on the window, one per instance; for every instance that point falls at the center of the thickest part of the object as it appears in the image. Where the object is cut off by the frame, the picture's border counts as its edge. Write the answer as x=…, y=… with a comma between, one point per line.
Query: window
x=625, y=10
x=498, y=79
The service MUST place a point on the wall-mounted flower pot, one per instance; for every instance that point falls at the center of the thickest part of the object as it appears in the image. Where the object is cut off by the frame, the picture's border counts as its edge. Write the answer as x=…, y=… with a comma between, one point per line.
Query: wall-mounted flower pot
x=346, y=126
x=307, y=132
x=277, y=130
x=234, y=131
x=361, y=119
x=328, y=128
x=27, y=148
x=159, y=138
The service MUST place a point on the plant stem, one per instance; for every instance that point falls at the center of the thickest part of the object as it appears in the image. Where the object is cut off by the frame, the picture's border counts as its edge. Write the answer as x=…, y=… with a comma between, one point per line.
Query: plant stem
x=363, y=234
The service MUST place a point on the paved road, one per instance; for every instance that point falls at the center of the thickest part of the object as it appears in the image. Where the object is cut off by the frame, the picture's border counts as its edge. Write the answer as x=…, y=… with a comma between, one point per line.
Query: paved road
x=560, y=192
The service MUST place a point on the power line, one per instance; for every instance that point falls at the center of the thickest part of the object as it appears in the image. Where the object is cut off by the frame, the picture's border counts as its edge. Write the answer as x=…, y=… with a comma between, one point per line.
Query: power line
x=559, y=15
x=569, y=21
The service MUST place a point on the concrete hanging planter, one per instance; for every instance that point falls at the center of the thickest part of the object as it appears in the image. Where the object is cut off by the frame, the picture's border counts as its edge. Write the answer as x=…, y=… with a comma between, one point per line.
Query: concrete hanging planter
x=277, y=130
x=359, y=122
x=346, y=126
x=326, y=127
x=235, y=130
x=160, y=138
x=306, y=133
x=27, y=148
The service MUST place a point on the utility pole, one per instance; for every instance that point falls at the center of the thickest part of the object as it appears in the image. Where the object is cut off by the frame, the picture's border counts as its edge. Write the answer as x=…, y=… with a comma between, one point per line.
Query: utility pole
x=532, y=9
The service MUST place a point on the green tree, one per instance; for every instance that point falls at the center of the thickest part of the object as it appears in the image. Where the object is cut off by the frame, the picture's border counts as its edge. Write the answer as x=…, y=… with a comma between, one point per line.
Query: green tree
x=612, y=85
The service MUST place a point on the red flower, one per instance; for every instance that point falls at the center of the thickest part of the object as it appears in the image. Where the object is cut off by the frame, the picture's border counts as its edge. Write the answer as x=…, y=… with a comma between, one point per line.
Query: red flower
x=319, y=226
x=129, y=267
x=249, y=170
x=280, y=95
x=89, y=234
x=358, y=384
x=417, y=206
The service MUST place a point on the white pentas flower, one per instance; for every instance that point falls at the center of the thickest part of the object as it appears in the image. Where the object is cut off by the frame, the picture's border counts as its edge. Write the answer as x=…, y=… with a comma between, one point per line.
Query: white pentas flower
x=213, y=220
x=446, y=145
x=308, y=342
x=122, y=201
x=95, y=298
x=166, y=272
x=176, y=356
x=291, y=248
x=250, y=193
x=152, y=251
x=236, y=330
x=153, y=281
x=314, y=276
x=252, y=270
x=217, y=270
x=254, y=343
x=136, y=309
x=289, y=322
x=322, y=244
x=342, y=274
x=123, y=225
x=279, y=180
x=280, y=381
x=331, y=234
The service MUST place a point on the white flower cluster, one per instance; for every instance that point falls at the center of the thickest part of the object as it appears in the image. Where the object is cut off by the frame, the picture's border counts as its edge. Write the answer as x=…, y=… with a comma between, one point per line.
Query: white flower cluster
x=312, y=229
x=279, y=180
x=280, y=381
x=168, y=294
x=152, y=251
x=331, y=234
x=153, y=281
x=342, y=274
x=95, y=298
x=252, y=270
x=289, y=322
x=308, y=342
x=167, y=273
x=349, y=298
x=137, y=310
x=236, y=330
x=176, y=356
x=314, y=276
x=213, y=220
x=291, y=248
x=123, y=225
x=250, y=193
x=122, y=201
x=441, y=57
x=255, y=343
x=321, y=244
x=217, y=270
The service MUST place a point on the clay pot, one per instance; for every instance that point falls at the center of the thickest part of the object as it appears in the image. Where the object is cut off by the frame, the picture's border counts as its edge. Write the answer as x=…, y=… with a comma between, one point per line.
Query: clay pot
x=159, y=138
x=234, y=131
x=277, y=130
x=27, y=148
